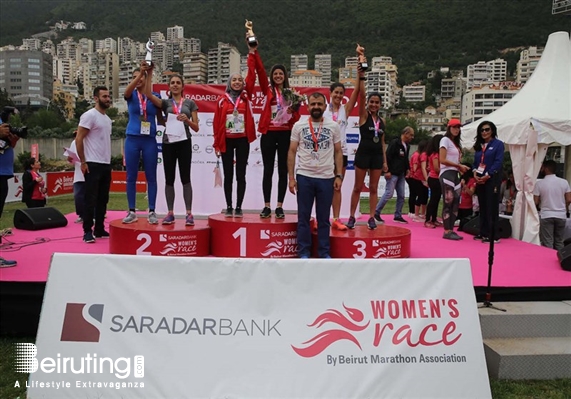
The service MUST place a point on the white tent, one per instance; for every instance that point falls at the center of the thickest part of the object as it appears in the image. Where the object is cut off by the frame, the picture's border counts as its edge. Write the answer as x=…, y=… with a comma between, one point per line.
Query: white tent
x=539, y=115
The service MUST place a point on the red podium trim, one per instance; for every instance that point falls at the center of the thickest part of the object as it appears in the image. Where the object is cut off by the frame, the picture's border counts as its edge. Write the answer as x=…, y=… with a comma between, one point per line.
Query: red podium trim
x=142, y=238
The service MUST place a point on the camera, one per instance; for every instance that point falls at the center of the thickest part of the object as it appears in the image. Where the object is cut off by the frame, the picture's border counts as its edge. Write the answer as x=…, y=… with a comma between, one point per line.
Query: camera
x=7, y=112
x=19, y=132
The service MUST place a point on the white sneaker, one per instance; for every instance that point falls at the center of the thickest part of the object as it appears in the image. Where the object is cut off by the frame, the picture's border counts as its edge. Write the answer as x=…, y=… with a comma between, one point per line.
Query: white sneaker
x=130, y=218
x=78, y=220
x=153, y=218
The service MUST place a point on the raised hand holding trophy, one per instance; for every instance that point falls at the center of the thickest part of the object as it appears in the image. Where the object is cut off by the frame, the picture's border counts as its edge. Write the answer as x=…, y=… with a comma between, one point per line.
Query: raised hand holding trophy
x=149, y=56
x=251, y=37
x=362, y=59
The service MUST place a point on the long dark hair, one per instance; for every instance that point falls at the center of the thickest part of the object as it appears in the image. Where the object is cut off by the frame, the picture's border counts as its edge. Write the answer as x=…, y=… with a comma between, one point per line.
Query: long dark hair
x=434, y=145
x=469, y=173
x=422, y=146
x=28, y=163
x=479, y=141
x=335, y=85
x=176, y=75
x=456, y=140
x=285, y=84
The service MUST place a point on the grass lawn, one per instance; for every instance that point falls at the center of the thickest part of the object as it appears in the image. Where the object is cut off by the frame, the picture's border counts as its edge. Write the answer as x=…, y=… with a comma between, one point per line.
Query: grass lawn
x=501, y=389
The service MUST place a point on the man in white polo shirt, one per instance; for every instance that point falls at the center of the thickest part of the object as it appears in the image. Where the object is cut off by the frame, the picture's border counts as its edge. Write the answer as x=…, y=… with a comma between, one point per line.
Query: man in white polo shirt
x=553, y=195
x=93, y=143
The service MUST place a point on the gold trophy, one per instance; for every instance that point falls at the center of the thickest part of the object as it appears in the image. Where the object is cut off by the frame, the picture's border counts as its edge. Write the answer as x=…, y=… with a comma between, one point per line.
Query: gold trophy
x=362, y=59
x=252, y=40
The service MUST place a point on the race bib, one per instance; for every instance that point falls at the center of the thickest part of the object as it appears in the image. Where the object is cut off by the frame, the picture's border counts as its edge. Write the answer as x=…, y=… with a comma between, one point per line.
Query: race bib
x=145, y=128
x=314, y=159
x=234, y=123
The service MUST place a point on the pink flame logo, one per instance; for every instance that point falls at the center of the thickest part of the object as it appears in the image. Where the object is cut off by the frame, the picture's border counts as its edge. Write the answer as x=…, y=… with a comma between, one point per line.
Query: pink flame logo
x=320, y=342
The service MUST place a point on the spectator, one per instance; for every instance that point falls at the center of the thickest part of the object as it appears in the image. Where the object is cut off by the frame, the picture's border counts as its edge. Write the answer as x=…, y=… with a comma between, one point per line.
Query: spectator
x=34, y=186
x=553, y=195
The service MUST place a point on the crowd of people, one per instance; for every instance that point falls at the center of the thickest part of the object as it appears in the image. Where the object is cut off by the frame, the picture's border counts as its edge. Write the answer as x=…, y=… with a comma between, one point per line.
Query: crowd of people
x=311, y=160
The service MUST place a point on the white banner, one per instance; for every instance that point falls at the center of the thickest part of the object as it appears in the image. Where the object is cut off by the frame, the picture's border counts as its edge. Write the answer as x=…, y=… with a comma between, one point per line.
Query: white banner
x=258, y=328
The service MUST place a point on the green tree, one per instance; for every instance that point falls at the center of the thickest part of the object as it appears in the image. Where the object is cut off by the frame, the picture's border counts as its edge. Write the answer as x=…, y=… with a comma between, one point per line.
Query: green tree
x=80, y=107
x=112, y=113
x=79, y=87
x=395, y=127
x=177, y=67
x=46, y=119
x=58, y=105
x=5, y=99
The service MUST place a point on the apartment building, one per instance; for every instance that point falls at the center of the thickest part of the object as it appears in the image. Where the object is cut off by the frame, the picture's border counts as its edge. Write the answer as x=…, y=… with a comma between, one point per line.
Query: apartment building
x=101, y=69
x=414, y=93
x=27, y=75
x=484, y=100
x=298, y=62
x=195, y=68
x=307, y=78
x=323, y=65
x=528, y=60
x=222, y=61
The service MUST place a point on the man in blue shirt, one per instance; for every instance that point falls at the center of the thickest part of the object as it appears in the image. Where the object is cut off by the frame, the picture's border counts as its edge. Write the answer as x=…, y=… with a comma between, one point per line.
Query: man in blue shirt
x=6, y=173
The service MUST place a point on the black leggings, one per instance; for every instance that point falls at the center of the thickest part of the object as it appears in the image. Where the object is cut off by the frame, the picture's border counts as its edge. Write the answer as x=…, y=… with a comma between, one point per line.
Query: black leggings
x=181, y=151
x=418, y=194
x=270, y=143
x=242, y=148
x=435, y=194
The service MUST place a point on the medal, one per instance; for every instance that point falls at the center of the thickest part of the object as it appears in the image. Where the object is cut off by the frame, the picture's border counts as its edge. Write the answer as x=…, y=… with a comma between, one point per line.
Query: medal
x=376, y=124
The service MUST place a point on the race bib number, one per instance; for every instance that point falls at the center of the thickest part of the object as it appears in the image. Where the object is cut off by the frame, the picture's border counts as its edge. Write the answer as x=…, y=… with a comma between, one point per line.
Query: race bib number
x=145, y=128
x=234, y=123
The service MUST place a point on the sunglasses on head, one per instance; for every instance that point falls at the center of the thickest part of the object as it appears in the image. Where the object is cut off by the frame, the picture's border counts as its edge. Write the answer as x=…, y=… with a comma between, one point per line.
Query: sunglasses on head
x=486, y=129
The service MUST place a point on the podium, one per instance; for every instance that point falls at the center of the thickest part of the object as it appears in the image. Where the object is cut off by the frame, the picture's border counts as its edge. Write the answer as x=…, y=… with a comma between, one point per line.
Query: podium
x=253, y=237
x=142, y=238
x=361, y=243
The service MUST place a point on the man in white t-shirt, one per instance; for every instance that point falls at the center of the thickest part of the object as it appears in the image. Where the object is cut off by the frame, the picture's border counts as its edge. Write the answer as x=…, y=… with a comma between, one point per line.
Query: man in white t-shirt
x=317, y=143
x=553, y=195
x=93, y=143
x=78, y=180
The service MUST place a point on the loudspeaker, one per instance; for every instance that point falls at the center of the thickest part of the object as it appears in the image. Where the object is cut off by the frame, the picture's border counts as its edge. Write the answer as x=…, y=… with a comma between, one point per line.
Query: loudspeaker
x=38, y=219
x=503, y=227
x=564, y=256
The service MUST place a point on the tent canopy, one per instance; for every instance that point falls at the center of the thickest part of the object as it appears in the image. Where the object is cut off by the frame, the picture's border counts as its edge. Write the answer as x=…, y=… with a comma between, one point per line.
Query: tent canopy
x=543, y=104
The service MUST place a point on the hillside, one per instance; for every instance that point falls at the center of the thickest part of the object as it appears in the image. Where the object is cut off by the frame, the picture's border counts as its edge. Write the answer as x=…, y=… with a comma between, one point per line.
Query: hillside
x=419, y=35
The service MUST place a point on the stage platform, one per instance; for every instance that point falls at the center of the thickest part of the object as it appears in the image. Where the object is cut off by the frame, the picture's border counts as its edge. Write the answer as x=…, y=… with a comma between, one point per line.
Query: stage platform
x=521, y=271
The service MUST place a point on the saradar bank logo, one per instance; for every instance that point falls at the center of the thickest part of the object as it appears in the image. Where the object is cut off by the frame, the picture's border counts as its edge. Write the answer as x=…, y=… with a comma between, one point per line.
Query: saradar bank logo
x=320, y=342
x=76, y=326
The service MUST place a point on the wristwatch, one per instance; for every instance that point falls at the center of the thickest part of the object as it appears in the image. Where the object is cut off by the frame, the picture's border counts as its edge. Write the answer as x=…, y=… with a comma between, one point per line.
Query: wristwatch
x=339, y=176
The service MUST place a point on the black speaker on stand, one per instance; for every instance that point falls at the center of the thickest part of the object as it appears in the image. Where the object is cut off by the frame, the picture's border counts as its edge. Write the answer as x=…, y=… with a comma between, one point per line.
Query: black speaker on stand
x=564, y=256
x=38, y=219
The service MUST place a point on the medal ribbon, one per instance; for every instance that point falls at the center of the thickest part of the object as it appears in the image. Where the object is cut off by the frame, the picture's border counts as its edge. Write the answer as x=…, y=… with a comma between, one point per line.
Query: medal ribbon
x=334, y=115
x=236, y=104
x=313, y=136
x=176, y=108
x=278, y=99
x=377, y=125
x=142, y=105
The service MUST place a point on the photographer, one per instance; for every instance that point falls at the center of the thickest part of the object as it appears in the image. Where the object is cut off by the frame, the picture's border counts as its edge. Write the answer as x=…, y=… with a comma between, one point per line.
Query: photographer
x=6, y=173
